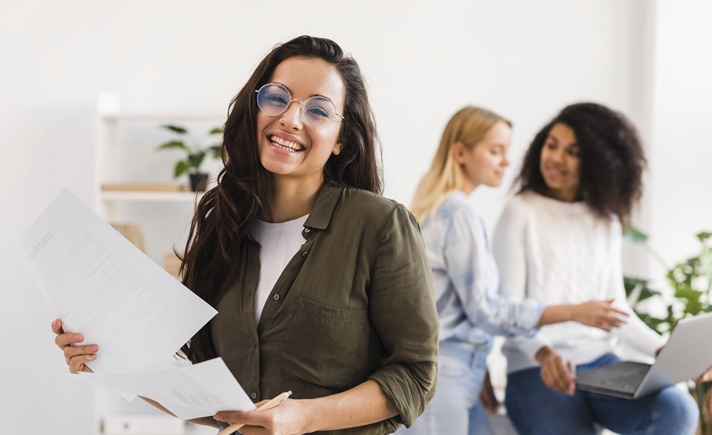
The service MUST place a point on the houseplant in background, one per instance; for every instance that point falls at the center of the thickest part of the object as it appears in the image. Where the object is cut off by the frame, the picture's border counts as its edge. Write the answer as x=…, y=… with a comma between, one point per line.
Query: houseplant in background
x=195, y=154
x=691, y=285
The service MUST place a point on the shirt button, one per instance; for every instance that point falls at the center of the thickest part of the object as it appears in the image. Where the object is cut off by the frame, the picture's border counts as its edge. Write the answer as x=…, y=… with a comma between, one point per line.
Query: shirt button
x=275, y=297
x=306, y=230
x=253, y=395
x=304, y=254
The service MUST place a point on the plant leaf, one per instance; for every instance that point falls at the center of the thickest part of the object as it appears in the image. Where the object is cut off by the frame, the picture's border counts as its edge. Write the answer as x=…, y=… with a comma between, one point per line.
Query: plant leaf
x=216, y=130
x=174, y=144
x=703, y=236
x=635, y=235
x=175, y=128
x=196, y=159
x=214, y=151
x=181, y=168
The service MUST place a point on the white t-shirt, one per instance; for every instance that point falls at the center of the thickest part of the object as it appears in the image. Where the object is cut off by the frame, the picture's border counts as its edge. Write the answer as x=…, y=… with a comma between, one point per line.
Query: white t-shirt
x=279, y=242
x=563, y=253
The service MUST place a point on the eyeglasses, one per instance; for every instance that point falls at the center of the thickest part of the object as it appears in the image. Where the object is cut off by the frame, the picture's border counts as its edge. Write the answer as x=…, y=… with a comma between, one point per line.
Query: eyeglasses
x=274, y=99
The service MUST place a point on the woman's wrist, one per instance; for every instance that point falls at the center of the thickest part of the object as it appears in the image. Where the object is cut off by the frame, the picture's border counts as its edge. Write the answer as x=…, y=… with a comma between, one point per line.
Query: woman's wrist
x=572, y=312
x=307, y=413
x=558, y=313
x=543, y=353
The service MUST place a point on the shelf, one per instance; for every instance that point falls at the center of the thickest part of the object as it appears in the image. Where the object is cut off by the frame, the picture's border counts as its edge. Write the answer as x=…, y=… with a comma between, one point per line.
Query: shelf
x=163, y=116
x=149, y=196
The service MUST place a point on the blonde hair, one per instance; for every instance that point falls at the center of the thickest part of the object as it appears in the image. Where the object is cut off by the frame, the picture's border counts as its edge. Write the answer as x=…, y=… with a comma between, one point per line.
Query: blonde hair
x=468, y=126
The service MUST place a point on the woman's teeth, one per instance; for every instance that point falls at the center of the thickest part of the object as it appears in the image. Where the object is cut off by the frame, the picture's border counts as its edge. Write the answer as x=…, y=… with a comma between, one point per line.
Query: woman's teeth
x=285, y=144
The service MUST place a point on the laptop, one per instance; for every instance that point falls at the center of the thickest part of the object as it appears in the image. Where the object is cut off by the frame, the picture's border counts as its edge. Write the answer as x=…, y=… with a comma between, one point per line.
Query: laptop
x=686, y=355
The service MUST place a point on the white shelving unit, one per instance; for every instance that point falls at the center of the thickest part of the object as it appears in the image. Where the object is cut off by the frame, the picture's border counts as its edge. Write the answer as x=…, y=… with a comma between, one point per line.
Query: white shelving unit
x=125, y=152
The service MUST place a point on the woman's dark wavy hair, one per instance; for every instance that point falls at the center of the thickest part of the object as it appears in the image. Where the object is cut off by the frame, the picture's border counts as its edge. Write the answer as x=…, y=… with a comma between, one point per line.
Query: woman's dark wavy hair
x=612, y=159
x=225, y=214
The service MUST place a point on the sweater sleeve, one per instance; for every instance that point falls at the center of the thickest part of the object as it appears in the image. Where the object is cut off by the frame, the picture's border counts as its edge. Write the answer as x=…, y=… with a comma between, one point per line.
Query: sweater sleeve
x=467, y=256
x=510, y=251
x=634, y=332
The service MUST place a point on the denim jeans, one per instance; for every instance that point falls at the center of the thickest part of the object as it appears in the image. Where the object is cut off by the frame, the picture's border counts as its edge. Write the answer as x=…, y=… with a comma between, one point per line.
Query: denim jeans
x=535, y=409
x=456, y=408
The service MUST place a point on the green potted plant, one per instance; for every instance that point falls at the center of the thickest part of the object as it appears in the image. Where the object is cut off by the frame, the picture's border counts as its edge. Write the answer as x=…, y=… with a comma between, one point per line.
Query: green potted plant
x=195, y=154
x=691, y=284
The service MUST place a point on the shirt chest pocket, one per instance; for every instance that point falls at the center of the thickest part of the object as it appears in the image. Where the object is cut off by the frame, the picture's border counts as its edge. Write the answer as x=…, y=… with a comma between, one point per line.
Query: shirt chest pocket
x=330, y=347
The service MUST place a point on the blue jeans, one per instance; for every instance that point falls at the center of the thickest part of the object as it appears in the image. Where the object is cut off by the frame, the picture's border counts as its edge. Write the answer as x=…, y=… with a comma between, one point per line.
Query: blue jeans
x=535, y=409
x=456, y=408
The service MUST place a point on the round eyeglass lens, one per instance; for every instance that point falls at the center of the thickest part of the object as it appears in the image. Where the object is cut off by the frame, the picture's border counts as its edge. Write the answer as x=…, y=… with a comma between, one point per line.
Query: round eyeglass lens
x=318, y=111
x=273, y=99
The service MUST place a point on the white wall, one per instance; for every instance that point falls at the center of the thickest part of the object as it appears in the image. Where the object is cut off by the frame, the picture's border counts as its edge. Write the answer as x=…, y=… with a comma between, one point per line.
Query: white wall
x=679, y=196
x=423, y=60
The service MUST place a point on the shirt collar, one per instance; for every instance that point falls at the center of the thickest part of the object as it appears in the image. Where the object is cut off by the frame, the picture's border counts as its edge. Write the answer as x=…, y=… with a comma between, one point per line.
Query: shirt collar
x=324, y=206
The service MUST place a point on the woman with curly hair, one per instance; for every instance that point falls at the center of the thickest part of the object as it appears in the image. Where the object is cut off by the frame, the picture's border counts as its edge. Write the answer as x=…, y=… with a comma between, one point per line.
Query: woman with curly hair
x=322, y=285
x=559, y=241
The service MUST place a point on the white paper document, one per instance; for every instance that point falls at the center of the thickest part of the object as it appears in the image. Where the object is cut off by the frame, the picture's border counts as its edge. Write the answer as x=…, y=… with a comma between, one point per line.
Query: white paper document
x=194, y=391
x=101, y=285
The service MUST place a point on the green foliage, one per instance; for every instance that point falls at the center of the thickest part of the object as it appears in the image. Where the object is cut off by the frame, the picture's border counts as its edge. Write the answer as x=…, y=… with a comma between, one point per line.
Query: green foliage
x=636, y=235
x=195, y=154
x=691, y=284
x=689, y=280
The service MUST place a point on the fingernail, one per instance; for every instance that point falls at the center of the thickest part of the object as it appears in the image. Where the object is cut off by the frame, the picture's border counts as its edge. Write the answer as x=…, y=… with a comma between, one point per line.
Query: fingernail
x=92, y=348
x=218, y=417
x=92, y=356
x=79, y=337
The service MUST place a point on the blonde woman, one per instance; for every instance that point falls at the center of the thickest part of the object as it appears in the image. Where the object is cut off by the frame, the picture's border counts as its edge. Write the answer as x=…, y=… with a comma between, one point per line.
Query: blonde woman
x=473, y=152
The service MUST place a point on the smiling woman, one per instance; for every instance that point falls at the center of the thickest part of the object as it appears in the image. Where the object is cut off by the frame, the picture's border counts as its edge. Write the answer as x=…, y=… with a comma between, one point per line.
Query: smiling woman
x=559, y=241
x=322, y=285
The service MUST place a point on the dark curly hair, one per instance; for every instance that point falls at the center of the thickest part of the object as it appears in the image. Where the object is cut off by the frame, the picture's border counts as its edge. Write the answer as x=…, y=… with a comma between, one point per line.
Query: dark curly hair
x=611, y=163
x=225, y=214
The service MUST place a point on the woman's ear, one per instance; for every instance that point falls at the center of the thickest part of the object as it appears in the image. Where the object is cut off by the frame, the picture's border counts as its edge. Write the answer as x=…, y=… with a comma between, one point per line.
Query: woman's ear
x=337, y=149
x=458, y=152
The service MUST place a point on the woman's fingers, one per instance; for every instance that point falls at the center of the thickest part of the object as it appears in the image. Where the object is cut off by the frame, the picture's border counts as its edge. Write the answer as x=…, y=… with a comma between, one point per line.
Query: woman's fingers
x=64, y=339
x=67, y=339
x=76, y=363
x=562, y=378
x=558, y=375
x=254, y=430
x=604, y=316
x=618, y=312
x=57, y=326
x=75, y=356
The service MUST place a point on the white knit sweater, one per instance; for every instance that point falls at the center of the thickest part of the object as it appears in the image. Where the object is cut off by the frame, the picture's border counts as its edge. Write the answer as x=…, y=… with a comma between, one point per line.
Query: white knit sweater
x=563, y=253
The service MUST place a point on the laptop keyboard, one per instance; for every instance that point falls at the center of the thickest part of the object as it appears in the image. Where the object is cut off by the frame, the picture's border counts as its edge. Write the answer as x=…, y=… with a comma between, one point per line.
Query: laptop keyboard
x=629, y=381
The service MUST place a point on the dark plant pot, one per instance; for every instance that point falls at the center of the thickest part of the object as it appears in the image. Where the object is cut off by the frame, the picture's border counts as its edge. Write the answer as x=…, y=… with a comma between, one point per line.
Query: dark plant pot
x=198, y=181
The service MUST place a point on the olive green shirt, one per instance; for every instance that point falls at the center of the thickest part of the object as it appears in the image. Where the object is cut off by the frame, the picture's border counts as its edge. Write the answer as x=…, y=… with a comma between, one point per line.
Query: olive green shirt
x=355, y=303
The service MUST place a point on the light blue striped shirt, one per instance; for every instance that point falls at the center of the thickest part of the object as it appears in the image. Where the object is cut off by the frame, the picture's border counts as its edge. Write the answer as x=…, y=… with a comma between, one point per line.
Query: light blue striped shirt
x=466, y=279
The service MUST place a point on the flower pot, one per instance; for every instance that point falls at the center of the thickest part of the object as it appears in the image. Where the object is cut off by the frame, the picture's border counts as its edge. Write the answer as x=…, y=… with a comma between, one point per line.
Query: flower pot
x=198, y=181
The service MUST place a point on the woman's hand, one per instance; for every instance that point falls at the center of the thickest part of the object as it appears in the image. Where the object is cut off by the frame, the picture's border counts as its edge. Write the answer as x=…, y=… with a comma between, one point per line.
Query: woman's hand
x=288, y=418
x=706, y=376
x=487, y=397
x=599, y=314
x=556, y=372
x=76, y=356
